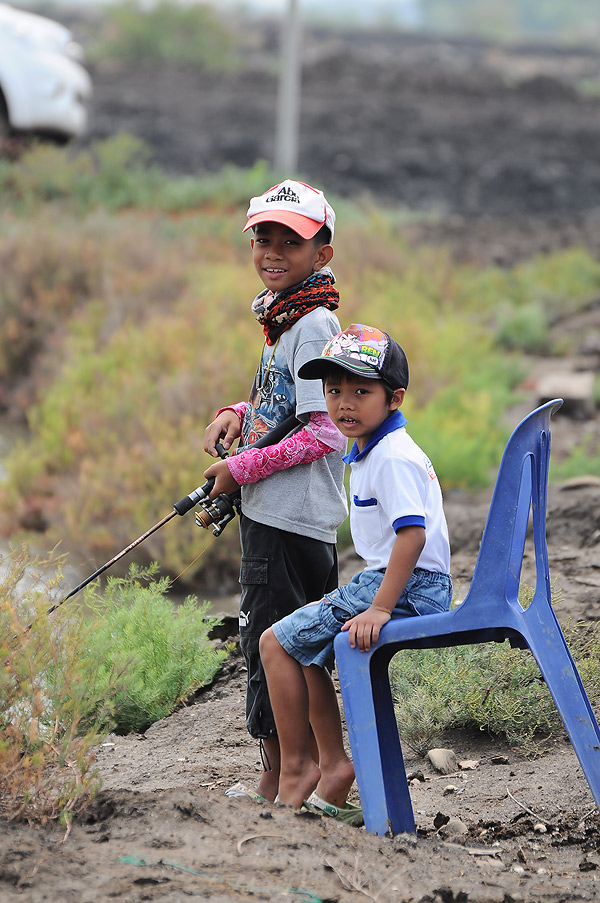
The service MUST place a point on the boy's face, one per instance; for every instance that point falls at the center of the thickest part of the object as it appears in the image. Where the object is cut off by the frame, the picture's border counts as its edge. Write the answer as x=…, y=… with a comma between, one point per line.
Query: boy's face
x=358, y=405
x=282, y=258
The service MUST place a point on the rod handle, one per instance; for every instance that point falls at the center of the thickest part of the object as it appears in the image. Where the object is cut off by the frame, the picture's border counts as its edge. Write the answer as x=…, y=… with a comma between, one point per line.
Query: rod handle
x=202, y=492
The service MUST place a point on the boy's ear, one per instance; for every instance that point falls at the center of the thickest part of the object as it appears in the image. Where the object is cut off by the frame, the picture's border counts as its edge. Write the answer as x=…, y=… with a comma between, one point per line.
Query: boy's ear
x=397, y=399
x=323, y=256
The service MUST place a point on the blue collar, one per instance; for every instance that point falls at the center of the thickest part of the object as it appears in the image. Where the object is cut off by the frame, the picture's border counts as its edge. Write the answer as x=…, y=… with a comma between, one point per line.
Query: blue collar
x=394, y=422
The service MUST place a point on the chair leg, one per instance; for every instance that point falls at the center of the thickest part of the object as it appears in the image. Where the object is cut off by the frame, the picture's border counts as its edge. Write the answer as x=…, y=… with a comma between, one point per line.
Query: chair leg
x=374, y=742
x=359, y=711
x=562, y=679
x=399, y=805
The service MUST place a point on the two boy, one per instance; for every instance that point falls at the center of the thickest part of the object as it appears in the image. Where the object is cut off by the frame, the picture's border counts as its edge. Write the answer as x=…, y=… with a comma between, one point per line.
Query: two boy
x=293, y=501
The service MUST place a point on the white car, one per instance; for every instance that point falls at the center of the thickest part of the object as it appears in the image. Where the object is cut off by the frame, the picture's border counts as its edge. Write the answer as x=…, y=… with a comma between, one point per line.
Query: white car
x=44, y=88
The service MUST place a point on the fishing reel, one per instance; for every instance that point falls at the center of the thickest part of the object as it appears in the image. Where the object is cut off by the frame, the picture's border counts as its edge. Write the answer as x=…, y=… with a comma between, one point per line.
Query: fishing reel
x=217, y=512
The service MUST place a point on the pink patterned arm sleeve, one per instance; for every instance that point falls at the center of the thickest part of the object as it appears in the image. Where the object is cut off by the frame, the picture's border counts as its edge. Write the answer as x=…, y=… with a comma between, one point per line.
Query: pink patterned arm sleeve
x=313, y=441
x=239, y=408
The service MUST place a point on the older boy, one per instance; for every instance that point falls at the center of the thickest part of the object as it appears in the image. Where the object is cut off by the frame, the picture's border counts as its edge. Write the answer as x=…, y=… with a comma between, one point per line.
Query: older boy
x=292, y=492
x=398, y=527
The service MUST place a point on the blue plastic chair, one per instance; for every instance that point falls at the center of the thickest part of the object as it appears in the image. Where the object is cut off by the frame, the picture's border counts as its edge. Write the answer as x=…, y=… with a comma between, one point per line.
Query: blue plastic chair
x=490, y=612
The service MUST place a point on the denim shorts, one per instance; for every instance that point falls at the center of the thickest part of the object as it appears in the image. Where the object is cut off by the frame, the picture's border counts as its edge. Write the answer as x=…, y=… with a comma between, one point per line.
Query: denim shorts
x=307, y=634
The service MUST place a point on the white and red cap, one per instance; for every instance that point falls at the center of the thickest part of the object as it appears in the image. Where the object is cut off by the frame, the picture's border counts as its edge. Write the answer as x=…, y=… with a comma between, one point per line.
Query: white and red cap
x=294, y=204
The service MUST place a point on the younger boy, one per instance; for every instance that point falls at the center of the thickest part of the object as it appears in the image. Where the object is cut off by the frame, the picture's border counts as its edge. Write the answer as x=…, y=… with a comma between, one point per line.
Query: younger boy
x=398, y=527
x=292, y=492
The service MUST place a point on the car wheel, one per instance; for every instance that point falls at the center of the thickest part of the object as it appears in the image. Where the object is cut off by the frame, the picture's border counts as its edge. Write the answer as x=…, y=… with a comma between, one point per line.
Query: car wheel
x=5, y=129
x=4, y=123
x=12, y=144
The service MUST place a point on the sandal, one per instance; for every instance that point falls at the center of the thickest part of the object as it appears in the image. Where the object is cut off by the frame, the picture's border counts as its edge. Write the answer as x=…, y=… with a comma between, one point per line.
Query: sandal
x=240, y=790
x=349, y=814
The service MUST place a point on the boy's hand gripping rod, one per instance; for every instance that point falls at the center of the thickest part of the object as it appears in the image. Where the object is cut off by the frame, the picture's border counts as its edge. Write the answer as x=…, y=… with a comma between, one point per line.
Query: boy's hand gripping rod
x=218, y=511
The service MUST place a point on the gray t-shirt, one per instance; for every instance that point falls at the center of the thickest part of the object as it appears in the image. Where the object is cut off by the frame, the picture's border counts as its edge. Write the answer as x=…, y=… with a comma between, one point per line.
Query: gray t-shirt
x=308, y=499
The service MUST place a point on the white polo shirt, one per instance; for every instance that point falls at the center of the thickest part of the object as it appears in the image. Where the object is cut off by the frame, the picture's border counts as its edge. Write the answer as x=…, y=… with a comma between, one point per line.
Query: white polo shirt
x=393, y=485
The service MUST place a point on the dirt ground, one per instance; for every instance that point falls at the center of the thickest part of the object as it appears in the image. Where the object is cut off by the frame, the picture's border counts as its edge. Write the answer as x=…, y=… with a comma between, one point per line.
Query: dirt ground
x=162, y=829
x=498, y=145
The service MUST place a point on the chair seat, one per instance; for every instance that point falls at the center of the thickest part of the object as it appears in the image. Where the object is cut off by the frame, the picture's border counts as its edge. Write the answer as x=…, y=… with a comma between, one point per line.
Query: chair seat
x=491, y=612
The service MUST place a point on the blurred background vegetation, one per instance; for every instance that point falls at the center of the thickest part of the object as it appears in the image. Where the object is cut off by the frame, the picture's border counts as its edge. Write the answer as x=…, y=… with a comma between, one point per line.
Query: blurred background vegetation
x=129, y=326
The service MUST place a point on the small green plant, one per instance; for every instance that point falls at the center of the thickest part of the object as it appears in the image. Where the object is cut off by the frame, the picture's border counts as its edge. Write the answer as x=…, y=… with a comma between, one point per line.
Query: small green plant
x=524, y=328
x=144, y=654
x=117, y=661
x=589, y=87
x=490, y=686
x=584, y=460
x=46, y=754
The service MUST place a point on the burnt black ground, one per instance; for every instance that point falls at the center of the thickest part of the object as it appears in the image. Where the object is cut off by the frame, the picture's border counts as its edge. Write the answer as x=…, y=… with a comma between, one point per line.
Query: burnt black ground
x=461, y=128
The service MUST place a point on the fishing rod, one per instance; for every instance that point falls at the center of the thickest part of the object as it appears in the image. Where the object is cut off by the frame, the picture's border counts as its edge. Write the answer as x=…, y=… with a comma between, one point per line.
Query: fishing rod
x=217, y=512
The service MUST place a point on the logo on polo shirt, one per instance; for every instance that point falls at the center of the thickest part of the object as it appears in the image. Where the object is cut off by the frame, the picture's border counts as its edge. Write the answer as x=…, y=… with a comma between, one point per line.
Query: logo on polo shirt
x=287, y=195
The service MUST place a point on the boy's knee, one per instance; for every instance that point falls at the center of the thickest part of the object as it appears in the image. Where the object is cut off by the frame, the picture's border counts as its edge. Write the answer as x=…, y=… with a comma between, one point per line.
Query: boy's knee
x=267, y=643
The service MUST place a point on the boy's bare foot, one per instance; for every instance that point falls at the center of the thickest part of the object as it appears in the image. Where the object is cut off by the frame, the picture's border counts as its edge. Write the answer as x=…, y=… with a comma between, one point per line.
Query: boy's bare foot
x=295, y=788
x=268, y=785
x=334, y=785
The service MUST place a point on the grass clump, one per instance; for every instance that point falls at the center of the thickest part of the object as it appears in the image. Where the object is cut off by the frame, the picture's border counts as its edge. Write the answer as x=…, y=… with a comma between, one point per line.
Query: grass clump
x=118, y=661
x=144, y=654
x=46, y=752
x=490, y=686
x=116, y=174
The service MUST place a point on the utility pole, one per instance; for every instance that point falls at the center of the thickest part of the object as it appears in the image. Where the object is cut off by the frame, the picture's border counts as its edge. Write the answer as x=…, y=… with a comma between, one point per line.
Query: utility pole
x=288, y=103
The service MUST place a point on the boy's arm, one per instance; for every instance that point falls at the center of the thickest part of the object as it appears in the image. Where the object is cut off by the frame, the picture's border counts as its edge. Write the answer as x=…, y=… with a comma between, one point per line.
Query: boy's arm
x=363, y=629
x=315, y=440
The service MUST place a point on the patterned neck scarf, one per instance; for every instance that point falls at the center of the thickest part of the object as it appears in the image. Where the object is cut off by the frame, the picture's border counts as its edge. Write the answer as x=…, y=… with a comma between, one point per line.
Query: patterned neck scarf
x=276, y=312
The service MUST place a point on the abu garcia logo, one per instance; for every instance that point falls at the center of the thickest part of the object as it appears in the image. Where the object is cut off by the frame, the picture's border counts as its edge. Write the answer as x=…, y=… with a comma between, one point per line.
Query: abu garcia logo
x=286, y=194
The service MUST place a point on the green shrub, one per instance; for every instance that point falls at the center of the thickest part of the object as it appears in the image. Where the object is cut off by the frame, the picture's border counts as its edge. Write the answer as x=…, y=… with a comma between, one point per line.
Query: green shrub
x=536, y=295
x=524, y=328
x=489, y=686
x=116, y=174
x=166, y=31
x=584, y=460
x=120, y=660
x=144, y=654
x=46, y=752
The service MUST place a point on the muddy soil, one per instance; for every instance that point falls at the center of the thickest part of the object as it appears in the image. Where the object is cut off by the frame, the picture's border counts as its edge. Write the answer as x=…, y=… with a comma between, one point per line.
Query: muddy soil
x=501, y=147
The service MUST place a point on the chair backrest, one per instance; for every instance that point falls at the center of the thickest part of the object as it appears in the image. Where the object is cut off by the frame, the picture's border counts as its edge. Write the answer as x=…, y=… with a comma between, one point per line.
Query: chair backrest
x=521, y=489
